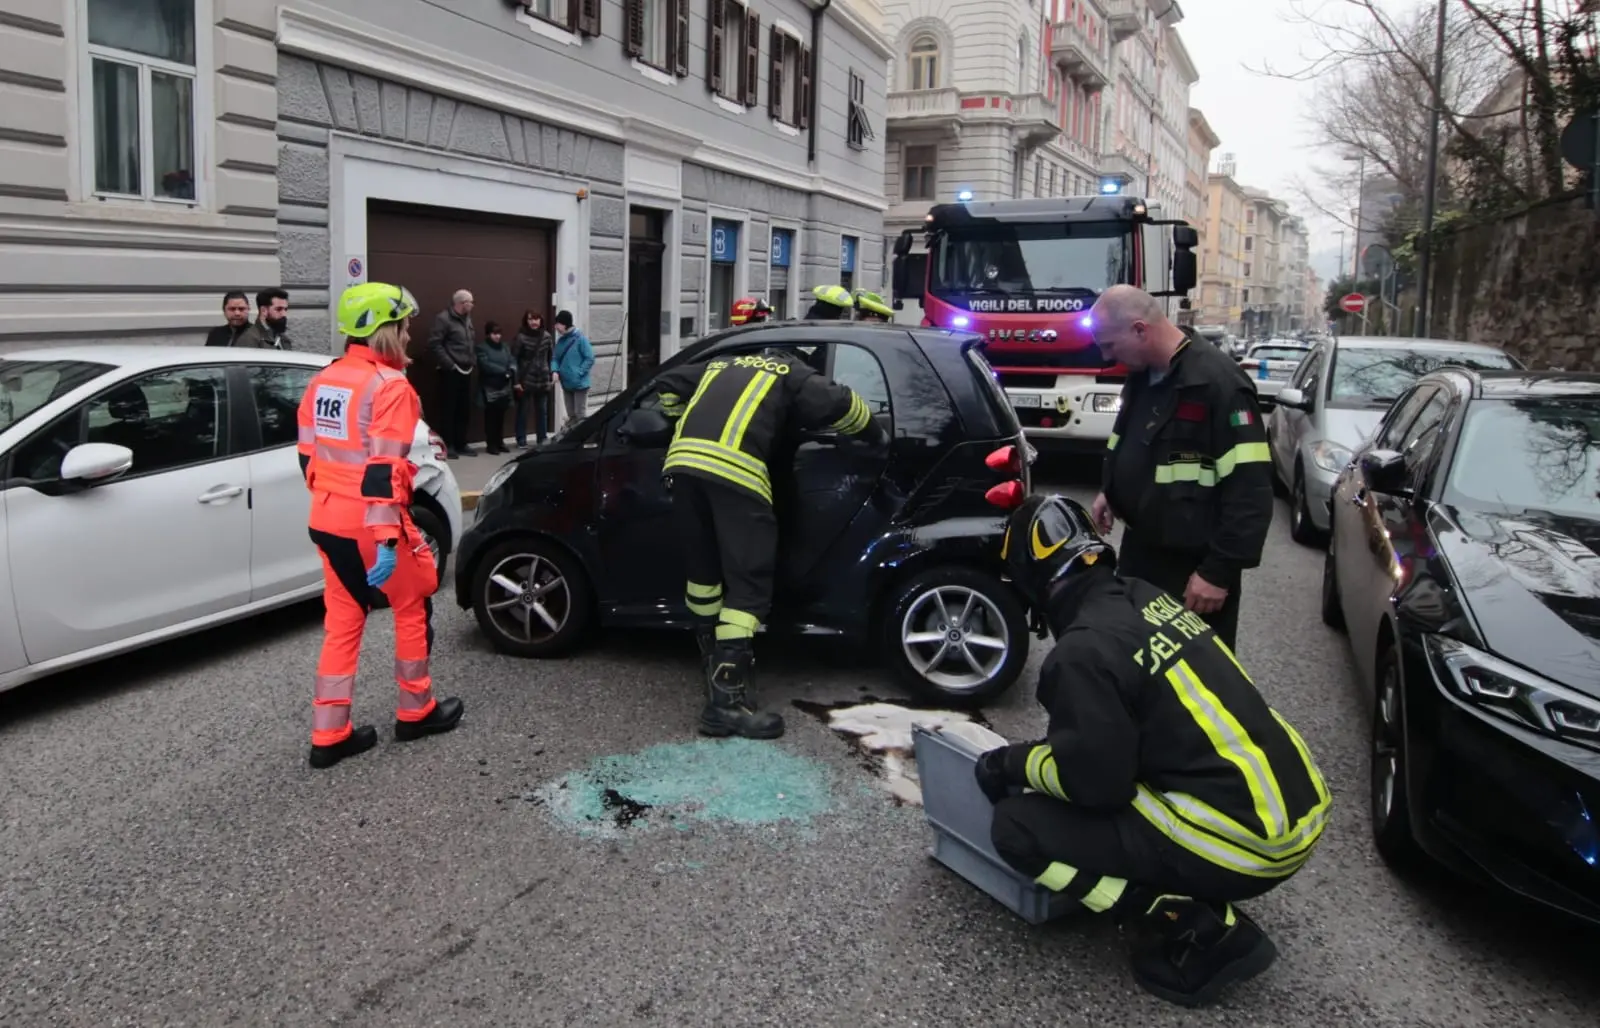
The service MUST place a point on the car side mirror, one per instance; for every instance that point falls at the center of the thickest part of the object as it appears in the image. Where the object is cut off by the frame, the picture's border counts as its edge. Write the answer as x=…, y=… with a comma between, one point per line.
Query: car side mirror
x=645, y=426
x=1292, y=398
x=93, y=464
x=1385, y=472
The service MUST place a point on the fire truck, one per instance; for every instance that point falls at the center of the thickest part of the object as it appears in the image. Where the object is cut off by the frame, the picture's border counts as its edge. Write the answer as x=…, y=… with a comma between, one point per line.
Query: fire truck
x=1024, y=275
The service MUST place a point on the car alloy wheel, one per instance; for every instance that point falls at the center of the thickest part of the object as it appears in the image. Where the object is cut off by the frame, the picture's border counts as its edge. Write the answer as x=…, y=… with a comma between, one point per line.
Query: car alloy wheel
x=1301, y=528
x=1389, y=805
x=527, y=598
x=955, y=637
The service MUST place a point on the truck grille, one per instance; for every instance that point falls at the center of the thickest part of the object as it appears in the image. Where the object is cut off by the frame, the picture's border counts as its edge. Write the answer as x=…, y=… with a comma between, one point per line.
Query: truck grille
x=1078, y=358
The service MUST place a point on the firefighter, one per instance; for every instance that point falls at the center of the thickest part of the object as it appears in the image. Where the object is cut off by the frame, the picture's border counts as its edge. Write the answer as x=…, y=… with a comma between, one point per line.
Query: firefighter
x=1187, y=466
x=1166, y=789
x=750, y=310
x=833, y=303
x=730, y=413
x=357, y=420
x=870, y=307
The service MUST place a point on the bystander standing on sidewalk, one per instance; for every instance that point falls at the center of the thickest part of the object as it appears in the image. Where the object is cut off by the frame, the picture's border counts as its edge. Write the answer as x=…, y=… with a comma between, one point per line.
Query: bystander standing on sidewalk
x=272, y=323
x=533, y=348
x=497, y=380
x=454, y=348
x=572, y=362
x=236, y=315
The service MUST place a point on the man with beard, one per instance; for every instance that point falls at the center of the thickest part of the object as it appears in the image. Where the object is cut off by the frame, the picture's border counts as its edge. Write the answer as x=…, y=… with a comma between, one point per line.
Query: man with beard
x=272, y=319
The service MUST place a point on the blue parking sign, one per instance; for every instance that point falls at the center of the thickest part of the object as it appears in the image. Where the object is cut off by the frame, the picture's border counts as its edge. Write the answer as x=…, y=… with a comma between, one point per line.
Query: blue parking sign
x=782, y=246
x=724, y=241
x=847, y=253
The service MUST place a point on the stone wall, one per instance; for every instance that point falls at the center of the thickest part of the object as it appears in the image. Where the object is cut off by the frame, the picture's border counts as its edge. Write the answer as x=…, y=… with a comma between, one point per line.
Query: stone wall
x=1529, y=283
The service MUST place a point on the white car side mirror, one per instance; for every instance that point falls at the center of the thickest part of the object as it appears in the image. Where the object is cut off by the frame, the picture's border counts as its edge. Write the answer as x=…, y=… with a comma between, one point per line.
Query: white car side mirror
x=94, y=463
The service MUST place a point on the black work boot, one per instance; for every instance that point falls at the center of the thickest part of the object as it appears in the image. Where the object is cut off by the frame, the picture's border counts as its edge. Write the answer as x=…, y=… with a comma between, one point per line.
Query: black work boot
x=357, y=742
x=705, y=637
x=728, y=710
x=1198, y=950
x=444, y=716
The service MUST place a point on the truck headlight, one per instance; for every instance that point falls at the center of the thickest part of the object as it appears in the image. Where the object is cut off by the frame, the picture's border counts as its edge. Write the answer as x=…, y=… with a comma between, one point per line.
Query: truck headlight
x=1330, y=457
x=1510, y=692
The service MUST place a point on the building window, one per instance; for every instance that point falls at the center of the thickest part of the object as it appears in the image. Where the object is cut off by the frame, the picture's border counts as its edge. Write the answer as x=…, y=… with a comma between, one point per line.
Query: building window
x=921, y=175
x=724, y=265
x=1038, y=176
x=733, y=52
x=1247, y=270
x=658, y=34
x=788, y=80
x=1245, y=296
x=782, y=261
x=142, y=58
x=924, y=63
x=1249, y=244
x=859, y=127
x=580, y=16
x=848, y=246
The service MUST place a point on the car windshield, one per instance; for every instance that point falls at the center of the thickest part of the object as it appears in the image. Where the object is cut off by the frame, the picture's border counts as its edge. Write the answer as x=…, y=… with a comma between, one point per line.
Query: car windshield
x=1065, y=259
x=1279, y=353
x=25, y=386
x=1537, y=454
x=1376, y=377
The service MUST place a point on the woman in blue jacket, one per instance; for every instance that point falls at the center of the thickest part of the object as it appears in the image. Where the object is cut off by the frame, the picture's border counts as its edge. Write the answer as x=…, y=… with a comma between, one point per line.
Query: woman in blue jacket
x=572, y=361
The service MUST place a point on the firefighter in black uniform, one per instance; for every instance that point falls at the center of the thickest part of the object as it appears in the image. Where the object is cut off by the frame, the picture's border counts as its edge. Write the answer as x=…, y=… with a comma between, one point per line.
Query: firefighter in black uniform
x=833, y=303
x=1165, y=790
x=1187, y=467
x=730, y=413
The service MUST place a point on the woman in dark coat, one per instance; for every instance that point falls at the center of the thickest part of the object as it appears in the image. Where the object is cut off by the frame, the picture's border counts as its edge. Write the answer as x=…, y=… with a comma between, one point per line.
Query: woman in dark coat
x=497, y=381
x=534, y=383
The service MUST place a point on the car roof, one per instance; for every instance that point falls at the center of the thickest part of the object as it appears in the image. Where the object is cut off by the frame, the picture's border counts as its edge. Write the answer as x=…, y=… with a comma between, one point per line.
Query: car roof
x=133, y=357
x=1403, y=343
x=862, y=333
x=1293, y=343
x=1512, y=384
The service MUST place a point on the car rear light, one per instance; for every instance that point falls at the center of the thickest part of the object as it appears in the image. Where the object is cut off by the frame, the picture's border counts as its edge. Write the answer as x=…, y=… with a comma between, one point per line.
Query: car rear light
x=1007, y=460
x=1007, y=495
x=440, y=451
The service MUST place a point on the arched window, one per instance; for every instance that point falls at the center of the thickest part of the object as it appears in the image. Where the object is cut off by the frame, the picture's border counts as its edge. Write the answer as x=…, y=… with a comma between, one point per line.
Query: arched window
x=924, y=62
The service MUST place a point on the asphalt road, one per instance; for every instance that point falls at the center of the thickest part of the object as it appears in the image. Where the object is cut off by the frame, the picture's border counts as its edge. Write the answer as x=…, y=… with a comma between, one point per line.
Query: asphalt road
x=167, y=858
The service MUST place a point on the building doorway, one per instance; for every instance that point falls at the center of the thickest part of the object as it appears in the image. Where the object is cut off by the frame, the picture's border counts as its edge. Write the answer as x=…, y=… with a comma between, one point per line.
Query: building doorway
x=646, y=247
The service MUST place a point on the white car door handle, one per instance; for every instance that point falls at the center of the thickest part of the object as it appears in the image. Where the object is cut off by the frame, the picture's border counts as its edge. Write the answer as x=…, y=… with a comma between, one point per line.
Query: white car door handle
x=220, y=493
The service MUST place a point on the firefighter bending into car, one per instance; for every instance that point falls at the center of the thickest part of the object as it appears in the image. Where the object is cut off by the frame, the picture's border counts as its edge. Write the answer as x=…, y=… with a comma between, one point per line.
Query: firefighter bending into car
x=833, y=303
x=1166, y=789
x=357, y=420
x=731, y=413
x=749, y=310
x=871, y=307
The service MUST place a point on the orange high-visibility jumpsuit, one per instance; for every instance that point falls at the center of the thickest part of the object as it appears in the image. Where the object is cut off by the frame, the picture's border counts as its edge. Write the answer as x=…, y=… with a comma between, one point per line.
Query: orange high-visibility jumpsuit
x=357, y=420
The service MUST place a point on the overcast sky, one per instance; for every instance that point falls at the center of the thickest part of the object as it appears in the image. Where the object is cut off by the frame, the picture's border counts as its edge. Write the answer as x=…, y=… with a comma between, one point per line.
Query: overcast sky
x=1261, y=120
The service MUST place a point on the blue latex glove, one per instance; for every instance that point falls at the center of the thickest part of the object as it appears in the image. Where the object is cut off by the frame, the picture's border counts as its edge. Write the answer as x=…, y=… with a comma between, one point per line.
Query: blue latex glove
x=379, y=573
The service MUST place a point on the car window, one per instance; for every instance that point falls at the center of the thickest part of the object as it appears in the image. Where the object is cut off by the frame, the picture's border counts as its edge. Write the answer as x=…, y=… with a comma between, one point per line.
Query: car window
x=1278, y=353
x=169, y=418
x=277, y=392
x=25, y=386
x=38, y=460
x=1538, y=454
x=1374, y=377
x=1422, y=437
x=856, y=367
x=1392, y=436
x=1307, y=375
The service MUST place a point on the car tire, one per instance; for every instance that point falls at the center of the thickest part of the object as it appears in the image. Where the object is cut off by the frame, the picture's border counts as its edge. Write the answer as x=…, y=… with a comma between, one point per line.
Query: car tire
x=435, y=532
x=547, y=620
x=1389, y=806
x=1301, y=528
x=1332, y=611
x=975, y=605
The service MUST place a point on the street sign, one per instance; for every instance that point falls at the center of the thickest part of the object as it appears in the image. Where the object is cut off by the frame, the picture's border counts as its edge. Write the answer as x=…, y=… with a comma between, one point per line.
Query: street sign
x=1353, y=303
x=724, y=241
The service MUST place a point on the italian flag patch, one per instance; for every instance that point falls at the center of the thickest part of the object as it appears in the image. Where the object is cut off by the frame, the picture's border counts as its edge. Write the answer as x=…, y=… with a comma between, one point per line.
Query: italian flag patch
x=1240, y=418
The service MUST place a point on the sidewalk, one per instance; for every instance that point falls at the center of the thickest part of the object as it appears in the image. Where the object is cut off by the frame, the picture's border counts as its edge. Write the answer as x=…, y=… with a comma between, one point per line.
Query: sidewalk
x=472, y=473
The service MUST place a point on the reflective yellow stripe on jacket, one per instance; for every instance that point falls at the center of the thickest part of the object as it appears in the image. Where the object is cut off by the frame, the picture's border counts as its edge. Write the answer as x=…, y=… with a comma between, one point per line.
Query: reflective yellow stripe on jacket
x=1208, y=472
x=722, y=458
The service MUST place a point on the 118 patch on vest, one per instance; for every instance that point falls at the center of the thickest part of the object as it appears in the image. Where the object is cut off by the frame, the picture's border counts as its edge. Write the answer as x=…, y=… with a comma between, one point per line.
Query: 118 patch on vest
x=329, y=411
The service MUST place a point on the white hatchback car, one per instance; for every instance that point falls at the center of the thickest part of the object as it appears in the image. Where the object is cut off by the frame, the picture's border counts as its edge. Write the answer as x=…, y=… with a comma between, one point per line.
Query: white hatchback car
x=147, y=492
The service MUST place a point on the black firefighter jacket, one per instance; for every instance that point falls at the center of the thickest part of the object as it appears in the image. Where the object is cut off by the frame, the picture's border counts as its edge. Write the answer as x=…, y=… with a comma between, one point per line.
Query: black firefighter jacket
x=1149, y=708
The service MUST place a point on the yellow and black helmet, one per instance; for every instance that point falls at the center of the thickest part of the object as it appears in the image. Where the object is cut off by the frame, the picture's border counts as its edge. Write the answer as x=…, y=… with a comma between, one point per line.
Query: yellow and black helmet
x=835, y=295
x=1047, y=539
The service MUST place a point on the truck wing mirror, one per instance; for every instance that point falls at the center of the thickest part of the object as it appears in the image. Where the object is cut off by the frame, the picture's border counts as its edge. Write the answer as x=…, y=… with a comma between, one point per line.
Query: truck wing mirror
x=1184, y=237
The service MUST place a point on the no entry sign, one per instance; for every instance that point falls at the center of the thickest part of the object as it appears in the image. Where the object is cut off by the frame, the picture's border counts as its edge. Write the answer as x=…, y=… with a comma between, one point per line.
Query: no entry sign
x=1353, y=303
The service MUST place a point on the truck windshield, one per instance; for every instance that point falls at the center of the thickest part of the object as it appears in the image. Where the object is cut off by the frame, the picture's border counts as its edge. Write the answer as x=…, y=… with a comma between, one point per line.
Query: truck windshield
x=1077, y=259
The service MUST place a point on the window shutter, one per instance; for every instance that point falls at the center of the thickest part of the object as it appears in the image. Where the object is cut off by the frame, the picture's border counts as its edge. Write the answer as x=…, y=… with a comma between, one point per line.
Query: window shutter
x=802, y=93
x=717, y=38
x=751, y=77
x=775, y=73
x=633, y=35
x=589, y=17
x=574, y=16
x=680, y=37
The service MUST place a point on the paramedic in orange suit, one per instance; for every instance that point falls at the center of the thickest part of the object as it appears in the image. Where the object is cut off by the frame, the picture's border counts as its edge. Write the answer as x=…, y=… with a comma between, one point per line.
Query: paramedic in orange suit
x=357, y=421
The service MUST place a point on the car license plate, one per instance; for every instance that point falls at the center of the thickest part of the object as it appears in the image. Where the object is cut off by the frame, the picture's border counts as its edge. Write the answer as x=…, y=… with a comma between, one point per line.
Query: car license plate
x=1280, y=375
x=1020, y=400
x=1107, y=404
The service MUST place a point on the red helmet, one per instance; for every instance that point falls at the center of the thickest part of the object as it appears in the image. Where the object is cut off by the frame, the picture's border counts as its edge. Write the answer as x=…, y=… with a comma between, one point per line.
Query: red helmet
x=750, y=310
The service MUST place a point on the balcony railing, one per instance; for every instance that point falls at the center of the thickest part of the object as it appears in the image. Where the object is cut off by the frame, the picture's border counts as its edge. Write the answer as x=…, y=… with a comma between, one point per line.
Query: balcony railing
x=1079, y=58
x=1124, y=17
x=1034, y=117
x=923, y=104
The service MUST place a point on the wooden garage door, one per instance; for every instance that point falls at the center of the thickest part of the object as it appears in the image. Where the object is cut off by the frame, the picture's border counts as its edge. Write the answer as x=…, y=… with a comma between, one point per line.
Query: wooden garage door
x=507, y=263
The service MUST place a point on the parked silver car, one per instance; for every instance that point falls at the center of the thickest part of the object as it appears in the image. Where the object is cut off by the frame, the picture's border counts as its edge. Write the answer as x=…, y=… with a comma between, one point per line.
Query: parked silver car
x=1335, y=401
x=1271, y=365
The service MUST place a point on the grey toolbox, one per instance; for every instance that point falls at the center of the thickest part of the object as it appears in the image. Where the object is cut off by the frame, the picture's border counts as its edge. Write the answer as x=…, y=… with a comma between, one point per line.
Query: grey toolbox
x=961, y=815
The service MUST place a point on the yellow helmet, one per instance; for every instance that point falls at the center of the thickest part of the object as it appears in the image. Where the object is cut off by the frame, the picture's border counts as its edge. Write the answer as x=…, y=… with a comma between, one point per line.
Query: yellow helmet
x=873, y=303
x=839, y=296
x=368, y=305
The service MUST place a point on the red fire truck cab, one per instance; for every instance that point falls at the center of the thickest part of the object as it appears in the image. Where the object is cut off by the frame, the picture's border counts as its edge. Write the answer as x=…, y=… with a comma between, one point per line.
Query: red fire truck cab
x=1024, y=274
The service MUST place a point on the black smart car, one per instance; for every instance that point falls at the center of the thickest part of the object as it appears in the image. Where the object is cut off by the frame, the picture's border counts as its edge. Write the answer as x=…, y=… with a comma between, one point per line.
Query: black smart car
x=1465, y=567
x=895, y=547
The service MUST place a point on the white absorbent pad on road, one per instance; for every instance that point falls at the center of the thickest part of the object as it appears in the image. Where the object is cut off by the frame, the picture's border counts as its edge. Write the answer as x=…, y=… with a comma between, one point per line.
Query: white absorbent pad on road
x=883, y=731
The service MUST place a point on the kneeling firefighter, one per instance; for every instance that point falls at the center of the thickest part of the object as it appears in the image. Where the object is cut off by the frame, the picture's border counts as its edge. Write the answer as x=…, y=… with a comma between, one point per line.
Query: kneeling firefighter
x=730, y=413
x=1166, y=789
x=833, y=303
x=357, y=420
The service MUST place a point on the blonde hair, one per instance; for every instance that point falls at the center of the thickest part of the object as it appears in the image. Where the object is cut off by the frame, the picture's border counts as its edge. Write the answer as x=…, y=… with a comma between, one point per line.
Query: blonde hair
x=387, y=344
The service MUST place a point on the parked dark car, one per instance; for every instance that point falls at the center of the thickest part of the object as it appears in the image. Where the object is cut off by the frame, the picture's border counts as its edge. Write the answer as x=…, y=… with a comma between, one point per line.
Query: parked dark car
x=1465, y=567
x=896, y=547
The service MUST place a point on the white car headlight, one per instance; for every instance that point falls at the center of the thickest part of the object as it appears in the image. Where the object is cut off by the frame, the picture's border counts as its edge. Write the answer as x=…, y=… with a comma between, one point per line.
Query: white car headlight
x=499, y=478
x=1330, y=457
x=1508, y=691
